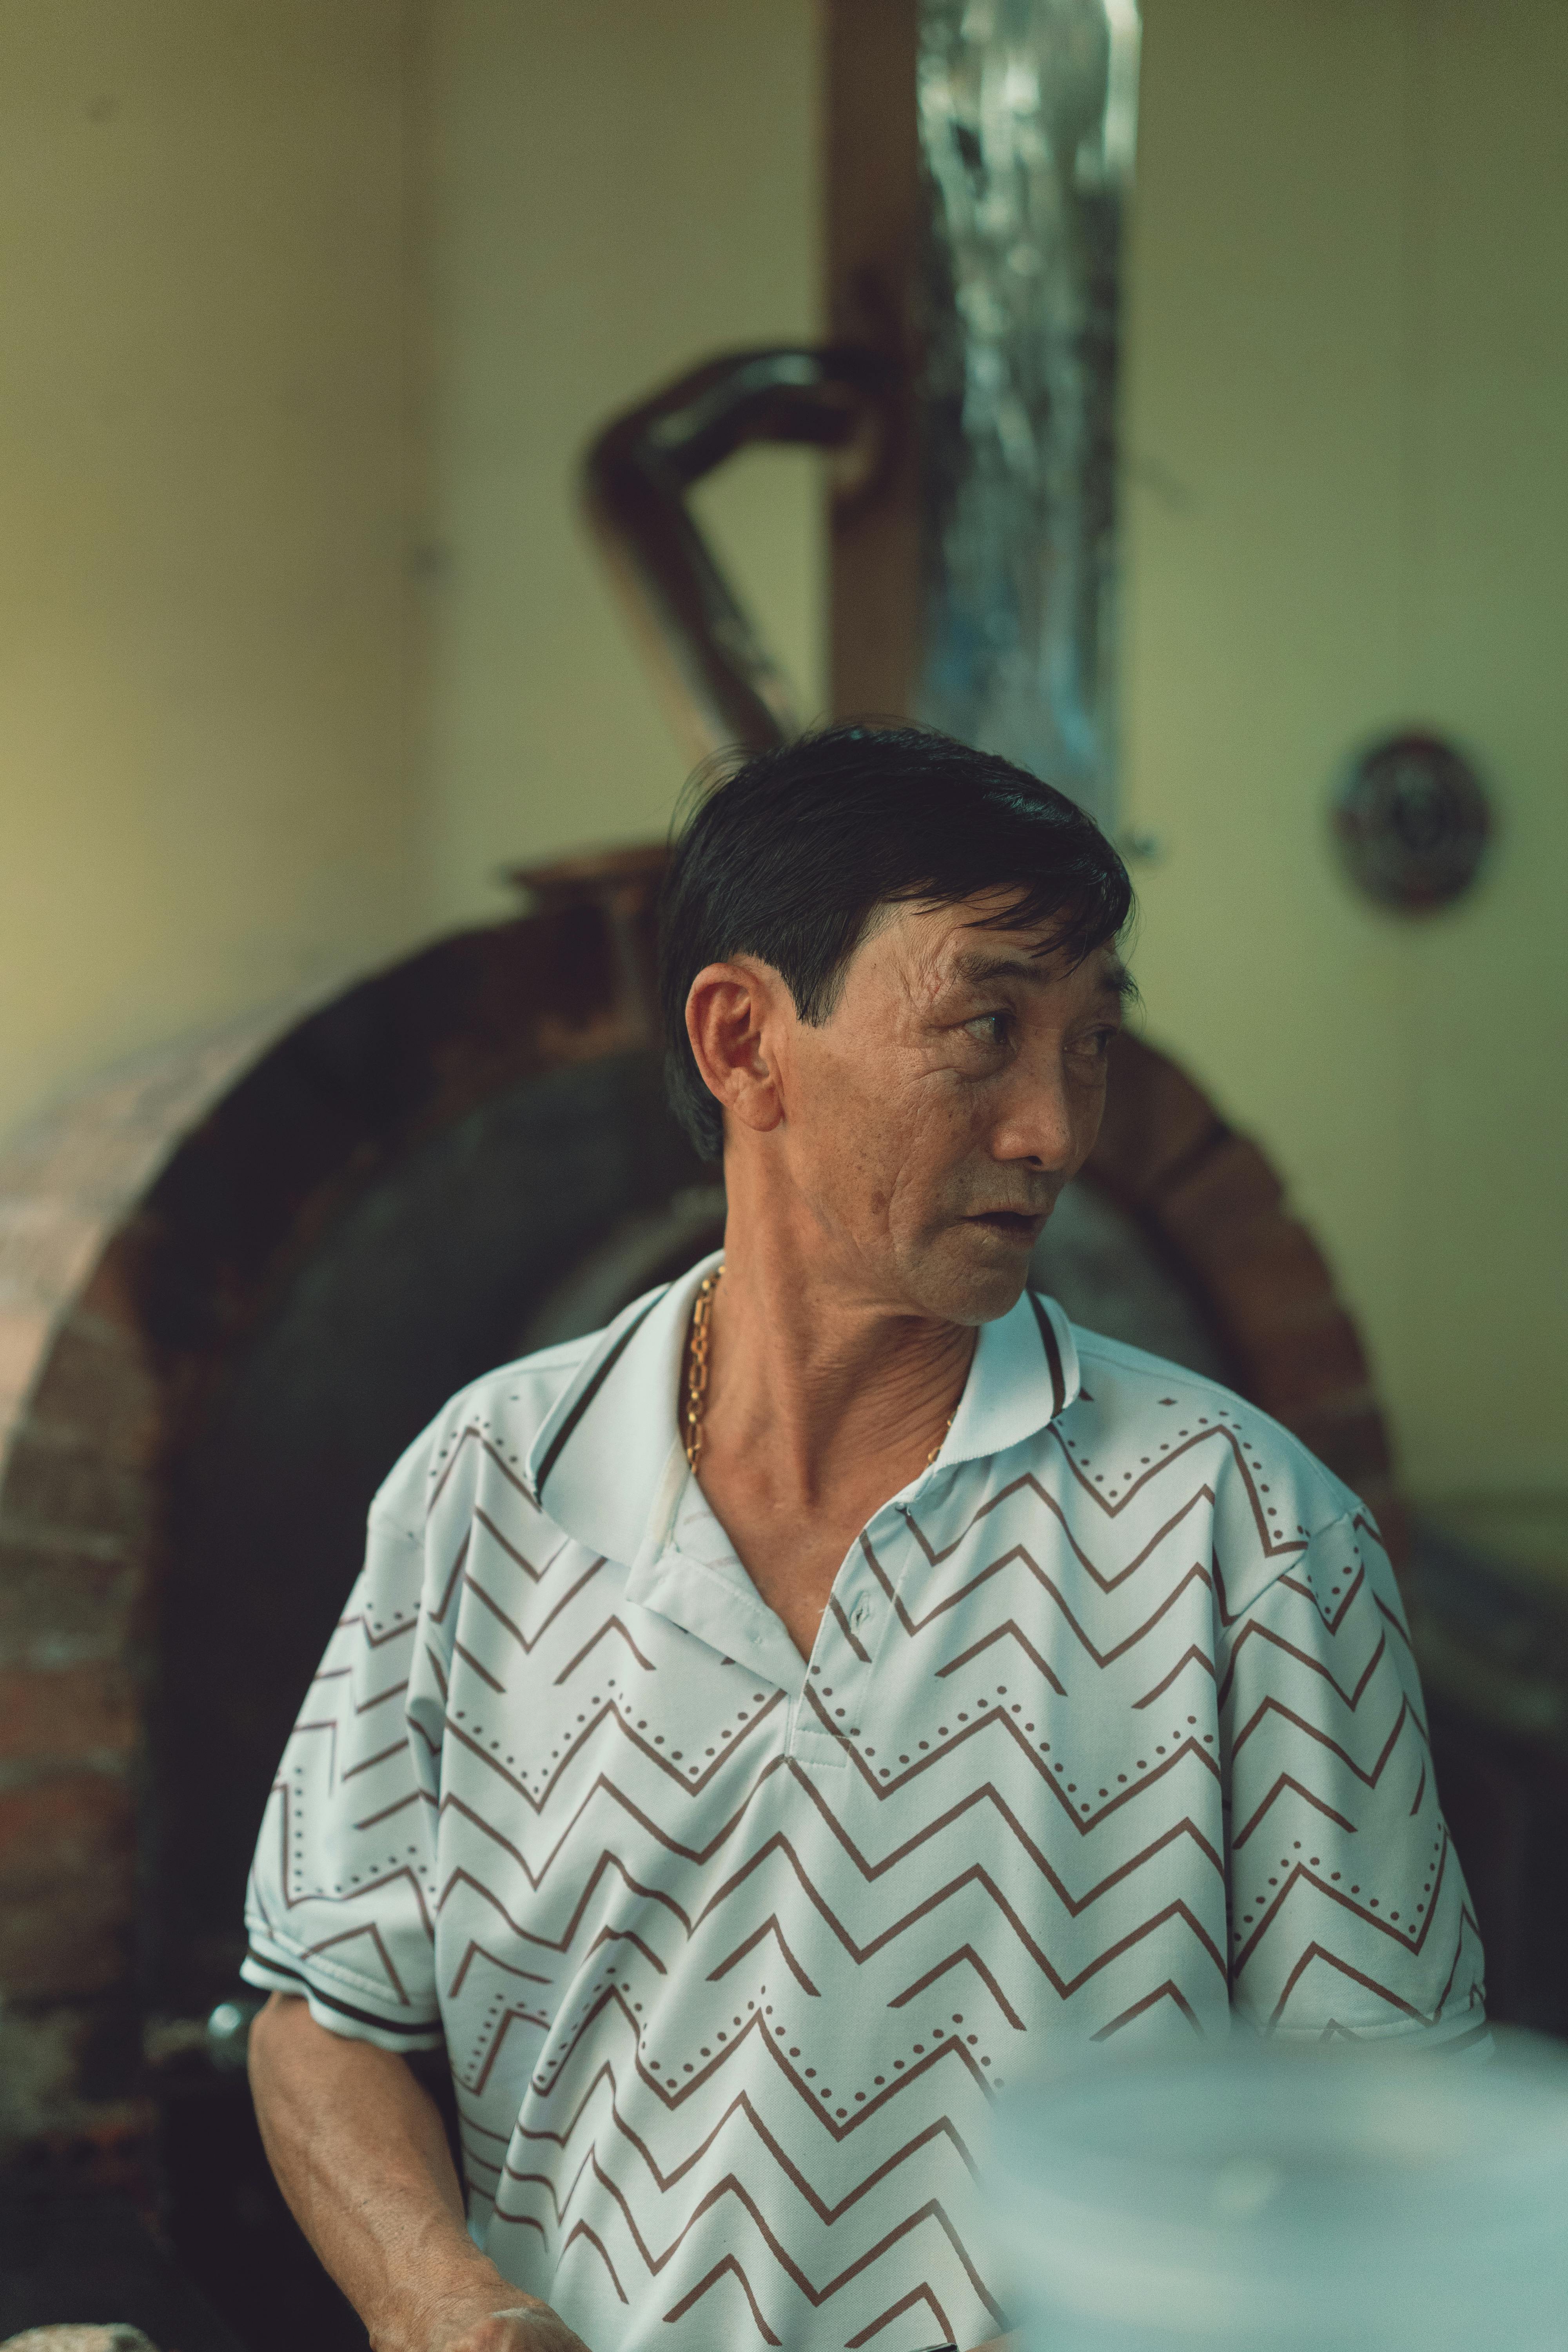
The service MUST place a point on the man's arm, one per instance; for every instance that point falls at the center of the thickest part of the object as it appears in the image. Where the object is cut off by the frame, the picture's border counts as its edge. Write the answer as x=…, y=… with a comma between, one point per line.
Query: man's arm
x=359, y=2153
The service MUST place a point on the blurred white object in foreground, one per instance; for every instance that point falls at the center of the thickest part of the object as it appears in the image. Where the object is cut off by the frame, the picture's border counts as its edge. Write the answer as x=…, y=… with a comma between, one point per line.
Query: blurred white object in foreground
x=1351, y=2200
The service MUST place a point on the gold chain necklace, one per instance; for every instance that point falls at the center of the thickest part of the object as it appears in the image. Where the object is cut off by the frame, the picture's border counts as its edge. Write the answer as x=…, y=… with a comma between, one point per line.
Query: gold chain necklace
x=697, y=1366
x=698, y=1347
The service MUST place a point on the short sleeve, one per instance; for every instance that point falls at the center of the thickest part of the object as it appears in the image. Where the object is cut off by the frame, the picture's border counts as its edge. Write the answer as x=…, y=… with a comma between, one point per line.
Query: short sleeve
x=340, y=1900
x=1348, y=1909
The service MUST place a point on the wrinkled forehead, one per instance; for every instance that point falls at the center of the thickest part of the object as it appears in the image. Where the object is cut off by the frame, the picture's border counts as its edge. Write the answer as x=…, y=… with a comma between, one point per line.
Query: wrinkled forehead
x=955, y=942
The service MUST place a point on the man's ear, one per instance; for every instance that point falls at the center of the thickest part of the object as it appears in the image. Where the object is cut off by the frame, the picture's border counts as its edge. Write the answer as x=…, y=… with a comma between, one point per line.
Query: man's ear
x=732, y=1015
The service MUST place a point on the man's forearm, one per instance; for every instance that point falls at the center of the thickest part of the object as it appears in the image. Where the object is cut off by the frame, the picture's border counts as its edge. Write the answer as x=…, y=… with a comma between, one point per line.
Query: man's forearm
x=359, y=2153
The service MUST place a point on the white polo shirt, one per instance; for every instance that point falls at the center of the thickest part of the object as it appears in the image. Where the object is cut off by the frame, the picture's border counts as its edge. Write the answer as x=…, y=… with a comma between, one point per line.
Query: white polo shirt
x=1111, y=1730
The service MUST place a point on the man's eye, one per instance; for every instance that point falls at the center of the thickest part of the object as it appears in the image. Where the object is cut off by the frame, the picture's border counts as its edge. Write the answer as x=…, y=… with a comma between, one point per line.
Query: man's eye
x=1097, y=1042
x=991, y=1028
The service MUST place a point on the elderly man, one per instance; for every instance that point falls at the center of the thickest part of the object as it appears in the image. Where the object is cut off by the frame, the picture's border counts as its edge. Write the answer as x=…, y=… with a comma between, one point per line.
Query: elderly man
x=764, y=1727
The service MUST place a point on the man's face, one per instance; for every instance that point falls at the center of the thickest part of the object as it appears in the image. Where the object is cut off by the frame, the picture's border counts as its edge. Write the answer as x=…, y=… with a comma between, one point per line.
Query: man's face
x=931, y=1121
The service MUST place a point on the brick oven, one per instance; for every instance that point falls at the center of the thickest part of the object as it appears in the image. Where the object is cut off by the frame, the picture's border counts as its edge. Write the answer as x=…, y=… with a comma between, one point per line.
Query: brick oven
x=234, y=1281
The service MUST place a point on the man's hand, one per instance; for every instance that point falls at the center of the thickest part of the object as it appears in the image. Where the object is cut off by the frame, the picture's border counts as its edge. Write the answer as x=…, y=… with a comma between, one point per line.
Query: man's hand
x=520, y=2326
x=359, y=2153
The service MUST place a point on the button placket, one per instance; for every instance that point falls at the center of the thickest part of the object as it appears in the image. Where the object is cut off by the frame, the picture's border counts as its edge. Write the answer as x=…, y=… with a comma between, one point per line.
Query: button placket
x=859, y=1637
x=843, y=1658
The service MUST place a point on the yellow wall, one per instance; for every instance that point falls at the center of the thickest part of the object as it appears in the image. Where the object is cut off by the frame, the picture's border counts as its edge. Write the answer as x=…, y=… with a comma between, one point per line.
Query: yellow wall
x=305, y=309
x=1347, y=432
x=204, y=793
x=300, y=302
x=618, y=192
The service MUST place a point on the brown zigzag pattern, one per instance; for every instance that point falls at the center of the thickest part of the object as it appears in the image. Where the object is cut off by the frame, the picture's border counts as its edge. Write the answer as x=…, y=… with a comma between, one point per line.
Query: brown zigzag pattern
x=729, y=2186
x=916, y=2295
x=1075, y=1905
x=826, y=2211
x=1191, y=1656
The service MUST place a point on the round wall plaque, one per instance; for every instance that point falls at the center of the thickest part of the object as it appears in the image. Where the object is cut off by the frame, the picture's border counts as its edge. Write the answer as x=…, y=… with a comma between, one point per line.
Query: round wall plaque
x=1412, y=822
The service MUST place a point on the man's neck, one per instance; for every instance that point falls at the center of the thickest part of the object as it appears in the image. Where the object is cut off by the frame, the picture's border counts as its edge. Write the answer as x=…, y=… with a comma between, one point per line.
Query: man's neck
x=814, y=1372
x=824, y=1399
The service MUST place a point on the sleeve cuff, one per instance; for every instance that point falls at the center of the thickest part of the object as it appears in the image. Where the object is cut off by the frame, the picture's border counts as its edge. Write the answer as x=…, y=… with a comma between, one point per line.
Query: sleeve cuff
x=330, y=2010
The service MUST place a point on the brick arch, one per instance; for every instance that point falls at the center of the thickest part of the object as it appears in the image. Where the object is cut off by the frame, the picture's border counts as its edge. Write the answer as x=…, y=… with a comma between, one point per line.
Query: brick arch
x=1212, y=1205
x=147, y=1230
x=173, y=1246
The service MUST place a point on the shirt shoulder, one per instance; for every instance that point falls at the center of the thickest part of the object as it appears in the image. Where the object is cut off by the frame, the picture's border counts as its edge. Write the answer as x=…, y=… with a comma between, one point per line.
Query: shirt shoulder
x=1137, y=1408
x=502, y=1412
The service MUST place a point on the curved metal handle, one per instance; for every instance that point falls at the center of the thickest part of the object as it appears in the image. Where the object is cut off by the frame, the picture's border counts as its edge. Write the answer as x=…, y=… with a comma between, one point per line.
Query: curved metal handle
x=725, y=687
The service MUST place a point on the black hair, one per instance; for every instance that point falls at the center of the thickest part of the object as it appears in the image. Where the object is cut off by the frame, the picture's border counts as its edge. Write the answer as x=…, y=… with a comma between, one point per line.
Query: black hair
x=787, y=856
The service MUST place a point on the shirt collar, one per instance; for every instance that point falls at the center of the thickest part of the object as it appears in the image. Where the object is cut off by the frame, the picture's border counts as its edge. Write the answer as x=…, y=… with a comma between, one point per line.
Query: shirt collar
x=1023, y=1373
x=604, y=1451
x=607, y=1454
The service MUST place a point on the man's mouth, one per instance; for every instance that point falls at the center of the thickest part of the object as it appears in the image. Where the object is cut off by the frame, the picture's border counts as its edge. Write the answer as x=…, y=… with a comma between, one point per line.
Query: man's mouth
x=1013, y=1224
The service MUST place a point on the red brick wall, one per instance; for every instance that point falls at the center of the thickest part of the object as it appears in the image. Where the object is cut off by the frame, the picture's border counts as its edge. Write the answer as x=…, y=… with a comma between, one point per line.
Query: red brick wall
x=79, y=1437
x=144, y=1229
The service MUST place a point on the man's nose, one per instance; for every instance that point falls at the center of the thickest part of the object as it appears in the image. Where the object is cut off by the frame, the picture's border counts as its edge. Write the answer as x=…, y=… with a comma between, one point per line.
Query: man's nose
x=1038, y=1122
